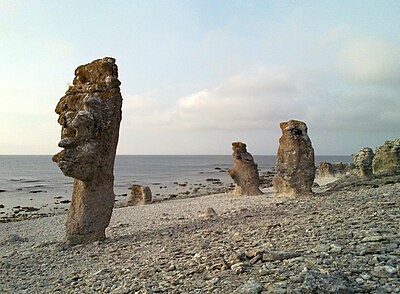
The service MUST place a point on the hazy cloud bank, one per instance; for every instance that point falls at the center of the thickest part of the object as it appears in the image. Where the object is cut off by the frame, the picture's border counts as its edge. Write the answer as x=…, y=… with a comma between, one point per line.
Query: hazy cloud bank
x=262, y=99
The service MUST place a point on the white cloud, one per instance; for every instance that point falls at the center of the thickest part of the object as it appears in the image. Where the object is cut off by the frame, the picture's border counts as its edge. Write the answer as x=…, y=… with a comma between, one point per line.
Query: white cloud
x=262, y=99
x=371, y=61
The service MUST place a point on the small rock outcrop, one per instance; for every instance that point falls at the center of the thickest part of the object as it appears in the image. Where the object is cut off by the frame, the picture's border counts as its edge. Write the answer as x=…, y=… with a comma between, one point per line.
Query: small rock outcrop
x=90, y=115
x=337, y=169
x=343, y=168
x=294, y=161
x=325, y=169
x=140, y=195
x=244, y=172
x=387, y=158
x=363, y=161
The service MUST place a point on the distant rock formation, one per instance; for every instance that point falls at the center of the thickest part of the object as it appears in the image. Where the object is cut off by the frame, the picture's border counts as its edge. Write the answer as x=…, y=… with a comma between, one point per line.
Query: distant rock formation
x=244, y=172
x=294, y=161
x=90, y=115
x=325, y=169
x=140, y=195
x=337, y=169
x=363, y=161
x=387, y=158
x=343, y=168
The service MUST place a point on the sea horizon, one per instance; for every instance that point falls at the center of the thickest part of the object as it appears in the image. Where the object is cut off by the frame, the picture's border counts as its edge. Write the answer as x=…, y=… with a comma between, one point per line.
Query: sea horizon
x=34, y=180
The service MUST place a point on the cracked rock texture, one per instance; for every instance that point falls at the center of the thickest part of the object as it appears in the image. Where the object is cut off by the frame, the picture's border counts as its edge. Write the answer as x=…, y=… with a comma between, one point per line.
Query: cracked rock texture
x=387, y=157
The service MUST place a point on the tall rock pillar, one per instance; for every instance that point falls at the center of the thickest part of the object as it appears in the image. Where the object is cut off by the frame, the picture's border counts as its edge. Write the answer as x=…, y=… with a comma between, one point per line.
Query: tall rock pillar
x=294, y=165
x=363, y=161
x=244, y=172
x=90, y=115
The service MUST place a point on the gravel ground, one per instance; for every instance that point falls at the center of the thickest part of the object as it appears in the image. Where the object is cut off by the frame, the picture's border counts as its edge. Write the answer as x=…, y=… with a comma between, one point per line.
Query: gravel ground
x=344, y=241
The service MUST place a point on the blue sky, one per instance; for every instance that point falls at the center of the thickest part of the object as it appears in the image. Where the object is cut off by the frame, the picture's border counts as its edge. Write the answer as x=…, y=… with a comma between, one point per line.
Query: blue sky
x=197, y=75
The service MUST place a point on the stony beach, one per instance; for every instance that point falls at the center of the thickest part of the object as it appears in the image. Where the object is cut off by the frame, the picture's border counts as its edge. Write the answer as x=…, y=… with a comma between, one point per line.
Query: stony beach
x=343, y=239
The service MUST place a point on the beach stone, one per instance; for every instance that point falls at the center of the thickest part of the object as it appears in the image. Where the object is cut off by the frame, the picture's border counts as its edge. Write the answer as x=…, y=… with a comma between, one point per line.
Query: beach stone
x=387, y=158
x=210, y=213
x=90, y=115
x=250, y=287
x=140, y=195
x=269, y=256
x=294, y=161
x=316, y=282
x=384, y=271
x=244, y=172
x=363, y=161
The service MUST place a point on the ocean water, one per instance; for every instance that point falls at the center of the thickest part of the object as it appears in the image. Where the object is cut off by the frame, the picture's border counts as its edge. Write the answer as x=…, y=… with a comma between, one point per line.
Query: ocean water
x=34, y=180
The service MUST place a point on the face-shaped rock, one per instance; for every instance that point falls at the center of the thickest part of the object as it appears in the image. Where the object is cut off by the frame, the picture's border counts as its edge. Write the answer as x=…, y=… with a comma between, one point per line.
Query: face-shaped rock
x=78, y=136
x=86, y=113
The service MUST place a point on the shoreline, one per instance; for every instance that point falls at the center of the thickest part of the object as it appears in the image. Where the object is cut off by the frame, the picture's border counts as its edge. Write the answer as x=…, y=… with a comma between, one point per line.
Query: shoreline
x=349, y=238
x=58, y=205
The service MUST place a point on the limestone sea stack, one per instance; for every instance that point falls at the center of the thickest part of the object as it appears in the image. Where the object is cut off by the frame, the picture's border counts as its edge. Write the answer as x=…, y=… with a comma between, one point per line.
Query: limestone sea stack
x=244, y=172
x=387, y=158
x=140, y=195
x=90, y=115
x=294, y=161
x=363, y=161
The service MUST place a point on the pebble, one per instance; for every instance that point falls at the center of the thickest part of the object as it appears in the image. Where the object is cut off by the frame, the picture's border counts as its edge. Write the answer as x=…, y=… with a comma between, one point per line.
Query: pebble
x=384, y=271
x=250, y=287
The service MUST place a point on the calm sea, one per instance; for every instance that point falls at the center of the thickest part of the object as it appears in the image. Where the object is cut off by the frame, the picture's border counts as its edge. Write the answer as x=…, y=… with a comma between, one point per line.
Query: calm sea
x=37, y=181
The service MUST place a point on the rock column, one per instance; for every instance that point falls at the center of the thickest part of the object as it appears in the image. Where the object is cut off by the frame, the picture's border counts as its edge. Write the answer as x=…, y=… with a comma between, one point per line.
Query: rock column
x=140, y=195
x=90, y=115
x=244, y=172
x=363, y=161
x=294, y=161
x=387, y=158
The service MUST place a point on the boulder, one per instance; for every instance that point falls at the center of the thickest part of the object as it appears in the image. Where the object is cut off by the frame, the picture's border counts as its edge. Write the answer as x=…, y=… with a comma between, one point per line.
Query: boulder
x=90, y=115
x=140, y=195
x=244, y=172
x=294, y=161
x=387, y=158
x=363, y=161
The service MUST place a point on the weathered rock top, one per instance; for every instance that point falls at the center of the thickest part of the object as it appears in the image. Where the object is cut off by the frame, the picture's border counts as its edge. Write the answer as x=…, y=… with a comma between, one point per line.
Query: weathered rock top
x=294, y=128
x=98, y=76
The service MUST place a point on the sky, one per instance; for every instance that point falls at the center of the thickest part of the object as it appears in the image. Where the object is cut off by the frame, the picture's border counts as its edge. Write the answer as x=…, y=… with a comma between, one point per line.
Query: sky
x=199, y=75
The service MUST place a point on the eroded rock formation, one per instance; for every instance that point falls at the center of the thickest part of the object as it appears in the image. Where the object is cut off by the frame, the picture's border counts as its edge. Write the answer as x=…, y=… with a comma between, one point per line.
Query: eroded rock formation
x=387, y=158
x=244, y=172
x=363, y=161
x=294, y=161
x=325, y=169
x=140, y=195
x=343, y=168
x=337, y=169
x=90, y=115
